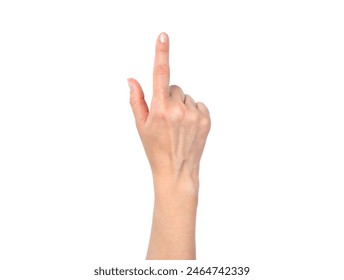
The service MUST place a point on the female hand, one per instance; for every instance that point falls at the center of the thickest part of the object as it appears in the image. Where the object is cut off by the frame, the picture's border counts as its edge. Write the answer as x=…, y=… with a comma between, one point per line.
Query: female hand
x=174, y=130
x=173, y=133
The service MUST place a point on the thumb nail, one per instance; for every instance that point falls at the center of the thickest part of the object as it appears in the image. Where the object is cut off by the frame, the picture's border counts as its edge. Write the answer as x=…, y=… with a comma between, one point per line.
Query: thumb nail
x=130, y=84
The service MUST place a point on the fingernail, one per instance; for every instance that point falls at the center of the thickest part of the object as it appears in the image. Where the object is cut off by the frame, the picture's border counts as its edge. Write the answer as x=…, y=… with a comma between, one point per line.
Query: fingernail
x=163, y=38
x=130, y=84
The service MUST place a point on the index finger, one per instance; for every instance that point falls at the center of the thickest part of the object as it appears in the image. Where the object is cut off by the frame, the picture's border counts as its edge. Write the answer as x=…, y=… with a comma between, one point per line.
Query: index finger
x=161, y=72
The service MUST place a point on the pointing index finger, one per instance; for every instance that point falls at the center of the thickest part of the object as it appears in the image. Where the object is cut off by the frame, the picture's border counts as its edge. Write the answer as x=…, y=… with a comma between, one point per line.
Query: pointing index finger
x=161, y=73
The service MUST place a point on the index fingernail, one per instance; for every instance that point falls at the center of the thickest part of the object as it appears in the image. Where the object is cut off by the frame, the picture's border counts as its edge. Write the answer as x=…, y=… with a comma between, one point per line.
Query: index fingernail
x=163, y=38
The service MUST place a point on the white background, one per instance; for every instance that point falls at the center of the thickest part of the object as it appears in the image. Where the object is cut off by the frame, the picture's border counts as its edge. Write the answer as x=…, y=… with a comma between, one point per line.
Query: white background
x=75, y=185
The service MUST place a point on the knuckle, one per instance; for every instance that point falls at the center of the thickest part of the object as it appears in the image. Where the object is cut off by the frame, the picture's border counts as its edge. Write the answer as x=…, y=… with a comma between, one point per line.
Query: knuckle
x=187, y=96
x=162, y=49
x=170, y=114
x=177, y=112
x=201, y=105
x=175, y=88
x=132, y=102
x=205, y=123
x=194, y=117
x=203, y=108
x=176, y=91
x=162, y=70
x=160, y=113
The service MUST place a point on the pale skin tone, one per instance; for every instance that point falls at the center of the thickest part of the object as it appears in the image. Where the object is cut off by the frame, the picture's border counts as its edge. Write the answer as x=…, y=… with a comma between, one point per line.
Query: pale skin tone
x=173, y=132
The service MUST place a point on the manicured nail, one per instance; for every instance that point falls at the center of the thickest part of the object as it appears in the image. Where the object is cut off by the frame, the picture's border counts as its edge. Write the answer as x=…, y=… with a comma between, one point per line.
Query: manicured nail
x=163, y=38
x=130, y=84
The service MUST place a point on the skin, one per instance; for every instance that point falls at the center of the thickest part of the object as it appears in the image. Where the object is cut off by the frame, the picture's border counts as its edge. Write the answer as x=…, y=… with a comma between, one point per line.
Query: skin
x=173, y=133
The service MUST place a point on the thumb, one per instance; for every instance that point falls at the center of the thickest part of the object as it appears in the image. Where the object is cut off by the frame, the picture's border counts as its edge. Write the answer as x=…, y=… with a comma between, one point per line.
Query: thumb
x=137, y=102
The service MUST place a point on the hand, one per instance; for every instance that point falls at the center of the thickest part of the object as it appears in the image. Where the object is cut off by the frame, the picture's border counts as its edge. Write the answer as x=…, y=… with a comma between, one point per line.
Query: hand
x=174, y=130
x=173, y=133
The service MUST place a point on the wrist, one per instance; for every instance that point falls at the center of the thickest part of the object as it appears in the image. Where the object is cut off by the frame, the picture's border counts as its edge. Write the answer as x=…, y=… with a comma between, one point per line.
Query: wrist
x=176, y=188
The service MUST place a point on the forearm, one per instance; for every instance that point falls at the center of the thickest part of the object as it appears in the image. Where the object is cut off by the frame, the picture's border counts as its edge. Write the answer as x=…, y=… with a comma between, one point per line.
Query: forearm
x=174, y=219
